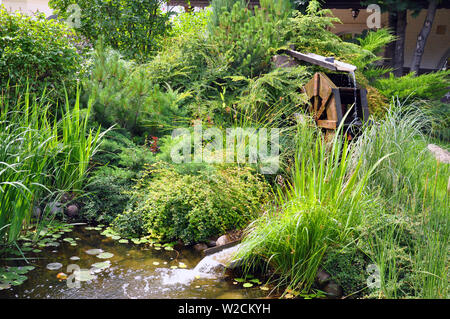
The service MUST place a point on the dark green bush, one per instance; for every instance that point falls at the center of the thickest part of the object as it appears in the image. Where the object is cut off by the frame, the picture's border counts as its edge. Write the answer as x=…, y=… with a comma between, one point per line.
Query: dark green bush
x=193, y=207
x=108, y=187
x=431, y=86
x=348, y=269
x=39, y=51
x=249, y=38
x=124, y=95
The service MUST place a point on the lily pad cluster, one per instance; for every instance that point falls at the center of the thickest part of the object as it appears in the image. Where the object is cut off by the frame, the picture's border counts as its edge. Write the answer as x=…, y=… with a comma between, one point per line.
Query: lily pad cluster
x=248, y=281
x=13, y=276
x=109, y=232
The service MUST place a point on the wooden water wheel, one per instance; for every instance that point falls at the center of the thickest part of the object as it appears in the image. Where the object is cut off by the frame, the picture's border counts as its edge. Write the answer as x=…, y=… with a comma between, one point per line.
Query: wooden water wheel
x=329, y=103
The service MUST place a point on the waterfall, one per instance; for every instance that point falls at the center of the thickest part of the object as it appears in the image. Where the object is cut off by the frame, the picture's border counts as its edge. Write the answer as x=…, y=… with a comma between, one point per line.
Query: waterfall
x=355, y=113
x=211, y=266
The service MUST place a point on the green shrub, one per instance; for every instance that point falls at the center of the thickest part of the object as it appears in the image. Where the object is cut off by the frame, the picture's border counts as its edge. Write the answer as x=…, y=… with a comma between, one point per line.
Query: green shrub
x=347, y=268
x=125, y=96
x=120, y=162
x=249, y=38
x=431, y=86
x=194, y=207
x=107, y=193
x=134, y=28
x=39, y=52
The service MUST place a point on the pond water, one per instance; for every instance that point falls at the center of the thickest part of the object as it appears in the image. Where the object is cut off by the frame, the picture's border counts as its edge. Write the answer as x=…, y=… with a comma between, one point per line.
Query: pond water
x=135, y=271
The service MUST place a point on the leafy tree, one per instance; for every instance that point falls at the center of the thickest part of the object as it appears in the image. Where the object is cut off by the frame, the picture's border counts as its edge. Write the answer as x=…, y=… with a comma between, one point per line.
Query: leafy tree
x=132, y=27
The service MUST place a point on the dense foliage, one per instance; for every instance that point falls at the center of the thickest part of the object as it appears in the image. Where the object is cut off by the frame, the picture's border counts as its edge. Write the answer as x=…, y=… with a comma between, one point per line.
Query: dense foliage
x=192, y=208
x=132, y=27
x=37, y=52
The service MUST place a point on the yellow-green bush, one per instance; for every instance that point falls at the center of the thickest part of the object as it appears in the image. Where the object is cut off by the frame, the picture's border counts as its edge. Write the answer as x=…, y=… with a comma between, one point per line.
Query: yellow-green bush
x=193, y=207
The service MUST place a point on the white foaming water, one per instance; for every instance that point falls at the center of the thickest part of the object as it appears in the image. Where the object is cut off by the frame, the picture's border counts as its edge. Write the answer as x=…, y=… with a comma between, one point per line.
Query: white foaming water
x=209, y=267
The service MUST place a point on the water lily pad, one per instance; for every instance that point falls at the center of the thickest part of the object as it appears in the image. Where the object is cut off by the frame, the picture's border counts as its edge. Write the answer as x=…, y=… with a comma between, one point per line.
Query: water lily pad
x=94, y=251
x=83, y=275
x=52, y=244
x=105, y=255
x=182, y=265
x=4, y=286
x=74, y=258
x=115, y=237
x=68, y=239
x=264, y=288
x=54, y=266
x=36, y=250
x=168, y=248
x=123, y=241
x=173, y=267
x=155, y=263
x=21, y=270
x=247, y=285
x=102, y=265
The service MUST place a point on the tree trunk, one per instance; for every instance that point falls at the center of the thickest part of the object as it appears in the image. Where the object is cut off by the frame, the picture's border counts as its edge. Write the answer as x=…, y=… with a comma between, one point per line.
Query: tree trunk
x=423, y=36
x=390, y=48
x=399, y=56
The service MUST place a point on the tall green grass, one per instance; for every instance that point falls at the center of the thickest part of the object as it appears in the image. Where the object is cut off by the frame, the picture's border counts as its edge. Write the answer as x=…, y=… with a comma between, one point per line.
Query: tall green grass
x=320, y=208
x=39, y=156
x=408, y=239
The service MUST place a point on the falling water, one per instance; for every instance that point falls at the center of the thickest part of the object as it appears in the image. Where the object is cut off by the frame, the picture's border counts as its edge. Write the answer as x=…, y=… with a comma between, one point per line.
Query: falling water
x=355, y=113
x=209, y=267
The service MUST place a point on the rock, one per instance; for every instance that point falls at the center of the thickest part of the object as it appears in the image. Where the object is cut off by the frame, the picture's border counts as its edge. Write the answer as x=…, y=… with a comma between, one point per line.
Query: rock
x=37, y=212
x=200, y=247
x=211, y=243
x=441, y=155
x=333, y=290
x=323, y=278
x=55, y=208
x=223, y=240
x=72, y=211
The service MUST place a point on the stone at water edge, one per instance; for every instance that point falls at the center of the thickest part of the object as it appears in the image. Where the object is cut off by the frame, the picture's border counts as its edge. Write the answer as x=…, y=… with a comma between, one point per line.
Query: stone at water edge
x=211, y=243
x=37, y=212
x=55, y=208
x=439, y=153
x=223, y=240
x=323, y=278
x=333, y=290
x=72, y=211
x=200, y=247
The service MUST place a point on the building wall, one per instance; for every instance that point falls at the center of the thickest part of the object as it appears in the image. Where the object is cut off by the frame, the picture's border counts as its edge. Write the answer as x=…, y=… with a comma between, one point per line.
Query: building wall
x=437, y=47
x=27, y=6
x=436, y=51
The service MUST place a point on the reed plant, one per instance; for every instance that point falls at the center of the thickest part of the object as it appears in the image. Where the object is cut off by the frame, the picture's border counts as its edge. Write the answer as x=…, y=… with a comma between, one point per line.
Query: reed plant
x=408, y=239
x=40, y=156
x=320, y=207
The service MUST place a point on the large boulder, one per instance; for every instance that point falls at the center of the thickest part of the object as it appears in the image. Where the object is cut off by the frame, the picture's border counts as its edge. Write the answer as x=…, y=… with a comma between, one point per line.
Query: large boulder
x=223, y=240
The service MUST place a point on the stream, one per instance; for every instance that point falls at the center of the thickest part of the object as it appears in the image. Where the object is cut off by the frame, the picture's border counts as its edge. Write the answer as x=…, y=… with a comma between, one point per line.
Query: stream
x=134, y=271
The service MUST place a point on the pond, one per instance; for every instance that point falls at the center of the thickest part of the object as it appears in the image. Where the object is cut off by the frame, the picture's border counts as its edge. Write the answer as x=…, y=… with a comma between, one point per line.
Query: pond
x=134, y=271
